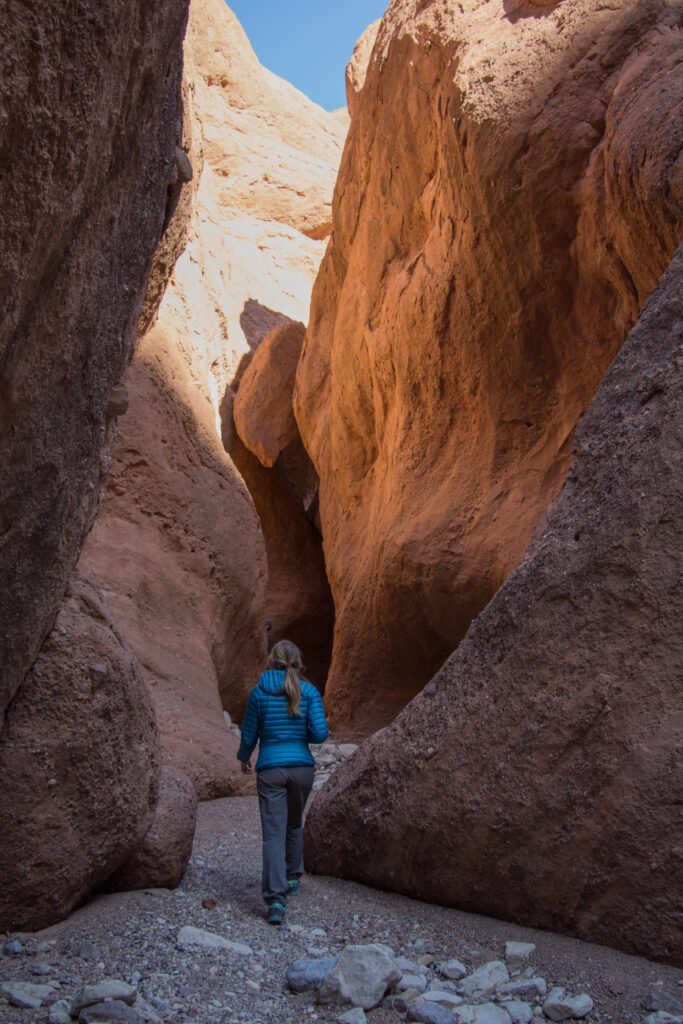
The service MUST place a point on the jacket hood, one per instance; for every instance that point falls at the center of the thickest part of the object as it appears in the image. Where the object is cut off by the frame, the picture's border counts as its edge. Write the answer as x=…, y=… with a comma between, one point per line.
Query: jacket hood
x=272, y=681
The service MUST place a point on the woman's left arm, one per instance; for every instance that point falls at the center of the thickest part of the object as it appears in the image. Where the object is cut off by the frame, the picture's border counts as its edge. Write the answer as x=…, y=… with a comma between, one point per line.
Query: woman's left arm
x=250, y=730
x=316, y=723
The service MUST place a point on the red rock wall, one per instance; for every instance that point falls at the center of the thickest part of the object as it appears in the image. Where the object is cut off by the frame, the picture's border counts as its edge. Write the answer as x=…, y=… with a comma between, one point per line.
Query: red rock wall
x=508, y=196
x=535, y=777
x=90, y=100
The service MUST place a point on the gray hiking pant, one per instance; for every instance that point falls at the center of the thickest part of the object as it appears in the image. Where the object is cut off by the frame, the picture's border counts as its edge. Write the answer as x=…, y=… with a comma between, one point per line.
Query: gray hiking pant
x=282, y=796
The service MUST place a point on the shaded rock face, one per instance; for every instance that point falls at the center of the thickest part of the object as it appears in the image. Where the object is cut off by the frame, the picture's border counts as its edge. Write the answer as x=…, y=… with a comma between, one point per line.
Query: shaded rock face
x=162, y=857
x=533, y=777
x=495, y=234
x=79, y=759
x=91, y=113
x=178, y=545
x=298, y=598
x=179, y=551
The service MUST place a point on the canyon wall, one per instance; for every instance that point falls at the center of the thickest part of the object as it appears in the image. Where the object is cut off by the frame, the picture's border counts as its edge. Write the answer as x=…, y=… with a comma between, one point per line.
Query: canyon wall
x=536, y=776
x=509, y=195
x=179, y=547
x=91, y=120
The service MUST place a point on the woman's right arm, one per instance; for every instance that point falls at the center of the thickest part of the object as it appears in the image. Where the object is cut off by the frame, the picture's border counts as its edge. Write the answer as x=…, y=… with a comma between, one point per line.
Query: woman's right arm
x=316, y=723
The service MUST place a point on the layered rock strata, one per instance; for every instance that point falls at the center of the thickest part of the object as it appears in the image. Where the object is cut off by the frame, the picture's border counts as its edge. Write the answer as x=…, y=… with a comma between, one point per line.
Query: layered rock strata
x=91, y=118
x=80, y=762
x=509, y=194
x=534, y=777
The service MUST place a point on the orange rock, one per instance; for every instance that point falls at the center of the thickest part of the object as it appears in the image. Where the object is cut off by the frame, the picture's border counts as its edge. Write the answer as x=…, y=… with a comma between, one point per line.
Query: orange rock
x=556, y=725
x=495, y=233
x=263, y=411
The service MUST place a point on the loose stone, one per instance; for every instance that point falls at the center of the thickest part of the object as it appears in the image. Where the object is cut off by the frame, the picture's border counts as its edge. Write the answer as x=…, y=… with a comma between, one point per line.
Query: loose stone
x=520, y=1012
x=559, y=1006
x=308, y=975
x=115, y=1011
x=517, y=953
x=189, y=936
x=530, y=988
x=354, y=1016
x=416, y=981
x=59, y=1012
x=485, y=1013
x=452, y=969
x=108, y=988
x=443, y=998
x=13, y=948
x=427, y=1012
x=28, y=996
x=662, y=1017
x=485, y=979
x=361, y=976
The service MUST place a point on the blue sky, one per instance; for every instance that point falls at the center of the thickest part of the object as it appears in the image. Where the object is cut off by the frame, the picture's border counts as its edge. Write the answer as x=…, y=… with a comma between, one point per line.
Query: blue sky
x=308, y=42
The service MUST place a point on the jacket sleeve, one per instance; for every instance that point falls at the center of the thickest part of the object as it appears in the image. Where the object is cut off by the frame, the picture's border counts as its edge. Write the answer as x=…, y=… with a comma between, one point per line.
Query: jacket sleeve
x=316, y=723
x=250, y=729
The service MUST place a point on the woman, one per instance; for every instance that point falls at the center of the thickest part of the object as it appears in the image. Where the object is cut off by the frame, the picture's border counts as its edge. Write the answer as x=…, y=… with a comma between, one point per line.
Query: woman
x=284, y=714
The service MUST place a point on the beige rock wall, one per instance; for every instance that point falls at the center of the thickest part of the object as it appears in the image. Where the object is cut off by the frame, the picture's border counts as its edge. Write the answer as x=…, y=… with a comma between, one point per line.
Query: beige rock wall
x=509, y=194
x=534, y=777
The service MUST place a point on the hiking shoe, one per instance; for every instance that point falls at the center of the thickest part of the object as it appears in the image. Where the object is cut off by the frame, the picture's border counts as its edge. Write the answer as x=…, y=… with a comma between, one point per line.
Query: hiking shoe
x=276, y=914
x=293, y=886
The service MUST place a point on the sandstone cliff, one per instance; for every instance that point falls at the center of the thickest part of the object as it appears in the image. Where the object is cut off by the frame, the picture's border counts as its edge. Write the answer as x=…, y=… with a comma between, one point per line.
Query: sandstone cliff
x=509, y=194
x=91, y=121
x=178, y=546
x=535, y=776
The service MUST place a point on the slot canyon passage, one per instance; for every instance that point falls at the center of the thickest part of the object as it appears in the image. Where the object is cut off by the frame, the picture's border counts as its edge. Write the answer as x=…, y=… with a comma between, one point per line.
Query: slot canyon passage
x=404, y=380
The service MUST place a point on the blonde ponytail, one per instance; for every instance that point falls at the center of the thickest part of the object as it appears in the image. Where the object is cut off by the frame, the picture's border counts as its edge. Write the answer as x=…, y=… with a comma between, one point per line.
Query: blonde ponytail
x=286, y=655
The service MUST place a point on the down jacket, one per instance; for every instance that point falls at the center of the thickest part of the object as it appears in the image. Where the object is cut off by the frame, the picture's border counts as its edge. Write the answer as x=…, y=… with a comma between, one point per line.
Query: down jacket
x=283, y=739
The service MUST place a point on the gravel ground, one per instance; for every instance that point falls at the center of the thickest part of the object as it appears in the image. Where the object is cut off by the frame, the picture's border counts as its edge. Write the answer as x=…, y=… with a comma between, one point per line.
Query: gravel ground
x=132, y=936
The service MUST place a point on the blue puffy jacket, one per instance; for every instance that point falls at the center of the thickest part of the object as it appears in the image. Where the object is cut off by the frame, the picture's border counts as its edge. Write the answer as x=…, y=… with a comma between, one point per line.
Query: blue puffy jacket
x=283, y=739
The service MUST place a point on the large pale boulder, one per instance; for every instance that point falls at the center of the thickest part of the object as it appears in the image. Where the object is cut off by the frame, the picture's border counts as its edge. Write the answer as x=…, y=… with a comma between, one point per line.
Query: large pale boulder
x=79, y=763
x=275, y=152
x=357, y=68
x=90, y=121
x=534, y=778
x=509, y=194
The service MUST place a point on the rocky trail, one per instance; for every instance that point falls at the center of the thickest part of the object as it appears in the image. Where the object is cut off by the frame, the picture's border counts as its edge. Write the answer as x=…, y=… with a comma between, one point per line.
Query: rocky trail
x=146, y=941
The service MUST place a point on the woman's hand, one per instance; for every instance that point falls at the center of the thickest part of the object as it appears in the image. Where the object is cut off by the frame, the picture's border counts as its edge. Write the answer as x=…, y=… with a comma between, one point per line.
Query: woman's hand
x=246, y=768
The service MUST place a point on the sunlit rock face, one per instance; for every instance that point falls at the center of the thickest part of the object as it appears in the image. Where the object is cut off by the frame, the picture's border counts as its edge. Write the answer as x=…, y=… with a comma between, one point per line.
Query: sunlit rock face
x=179, y=546
x=534, y=777
x=90, y=121
x=509, y=195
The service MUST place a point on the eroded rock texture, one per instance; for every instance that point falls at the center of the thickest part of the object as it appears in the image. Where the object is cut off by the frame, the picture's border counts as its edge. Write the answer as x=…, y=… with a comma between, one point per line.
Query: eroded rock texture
x=535, y=776
x=91, y=114
x=163, y=854
x=79, y=760
x=509, y=194
x=178, y=545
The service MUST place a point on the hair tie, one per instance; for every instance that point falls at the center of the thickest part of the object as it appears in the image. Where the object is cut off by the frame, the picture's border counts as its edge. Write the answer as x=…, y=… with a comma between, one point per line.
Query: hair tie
x=288, y=664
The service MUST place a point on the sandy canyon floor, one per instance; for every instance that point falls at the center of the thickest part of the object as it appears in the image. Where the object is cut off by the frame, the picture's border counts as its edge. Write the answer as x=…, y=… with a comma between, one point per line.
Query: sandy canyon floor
x=133, y=937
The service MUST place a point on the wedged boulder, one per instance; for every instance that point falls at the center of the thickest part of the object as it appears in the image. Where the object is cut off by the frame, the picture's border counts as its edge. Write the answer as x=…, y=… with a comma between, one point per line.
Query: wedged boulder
x=495, y=234
x=79, y=760
x=262, y=408
x=298, y=601
x=162, y=856
x=91, y=117
x=532, y=779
